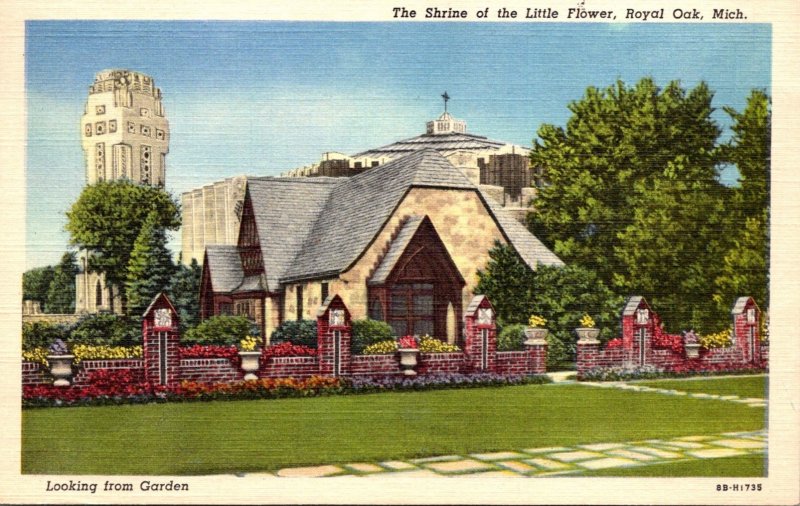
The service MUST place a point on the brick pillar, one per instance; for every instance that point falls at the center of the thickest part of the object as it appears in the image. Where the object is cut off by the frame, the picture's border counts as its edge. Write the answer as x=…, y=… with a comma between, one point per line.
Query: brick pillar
x=588, y=354
x=480, y=336
x=746, y=328
x=637, y=317
x=333, y=337
x=160, y=341
x=537, y=355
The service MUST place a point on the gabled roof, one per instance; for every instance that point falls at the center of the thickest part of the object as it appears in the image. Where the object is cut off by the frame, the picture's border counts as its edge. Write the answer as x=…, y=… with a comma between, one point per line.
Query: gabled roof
x=442, y=143
x=633, y=304
x=398, y=246
x=475, y=303
x=285, y=210
x=358, y=207
x=741, y=304
x=225, y=266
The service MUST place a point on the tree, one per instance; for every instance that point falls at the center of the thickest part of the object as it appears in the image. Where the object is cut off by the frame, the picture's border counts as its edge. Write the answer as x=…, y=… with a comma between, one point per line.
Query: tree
x=35, y=283
x=745, y=269
x=107, y=219
x=184, y=290
x=562, y=295
x=150, y=266
x=634, y=192
x=61, y=292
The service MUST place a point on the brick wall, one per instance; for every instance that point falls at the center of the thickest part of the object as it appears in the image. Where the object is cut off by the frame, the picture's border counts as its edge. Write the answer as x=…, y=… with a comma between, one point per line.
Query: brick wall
x=365, y=365
x=513, y=362
x=440, y=363
x=87, y=367
x=34, y=373
x=297, y=367
x=209, y=370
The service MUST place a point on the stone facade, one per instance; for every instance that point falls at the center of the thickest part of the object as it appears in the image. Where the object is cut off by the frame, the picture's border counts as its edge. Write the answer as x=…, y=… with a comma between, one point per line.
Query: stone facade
x=124, y=132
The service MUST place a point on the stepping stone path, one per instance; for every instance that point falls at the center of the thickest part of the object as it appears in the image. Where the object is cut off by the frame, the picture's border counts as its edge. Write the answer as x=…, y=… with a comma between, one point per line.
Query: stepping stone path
x=553, y=461
x=755, y=402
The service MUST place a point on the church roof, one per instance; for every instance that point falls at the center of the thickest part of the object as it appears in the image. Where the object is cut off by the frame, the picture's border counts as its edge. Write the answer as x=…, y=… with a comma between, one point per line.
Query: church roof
x=312, y=228
x=443, y=143
x=225, y=266
x=396, y=250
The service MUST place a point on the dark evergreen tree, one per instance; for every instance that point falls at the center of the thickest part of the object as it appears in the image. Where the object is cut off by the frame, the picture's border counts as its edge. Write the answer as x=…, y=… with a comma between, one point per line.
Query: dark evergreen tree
x=150, y=267
x=61, y=292
x=36, y=282
x=184, y=291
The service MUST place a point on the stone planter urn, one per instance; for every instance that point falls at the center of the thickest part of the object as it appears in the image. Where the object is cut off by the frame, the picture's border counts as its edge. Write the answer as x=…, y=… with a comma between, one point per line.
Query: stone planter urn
x=250, y=364
x=587, y=334
x=408, y=360
x=692, y=350
x=61, y=369
x=535, y=333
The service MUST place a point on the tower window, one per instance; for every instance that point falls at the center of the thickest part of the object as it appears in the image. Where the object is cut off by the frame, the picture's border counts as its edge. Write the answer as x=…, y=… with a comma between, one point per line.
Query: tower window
x=100, y=109
x=323, y=292
x=299, y=291
x=98, y=295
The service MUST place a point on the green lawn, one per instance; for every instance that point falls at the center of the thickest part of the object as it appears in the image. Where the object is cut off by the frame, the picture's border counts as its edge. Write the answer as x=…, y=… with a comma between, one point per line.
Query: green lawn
x=745, y=386
x=224, y=437
x=745, y=465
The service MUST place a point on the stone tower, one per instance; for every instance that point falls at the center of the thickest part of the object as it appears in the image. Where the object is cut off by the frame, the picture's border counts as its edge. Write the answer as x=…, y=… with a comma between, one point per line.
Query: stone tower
x=125, y=136
x=123, y=129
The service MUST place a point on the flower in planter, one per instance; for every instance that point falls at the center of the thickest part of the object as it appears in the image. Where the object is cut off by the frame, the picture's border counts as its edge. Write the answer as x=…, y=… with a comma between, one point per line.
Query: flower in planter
x=587, y=322
x=689, y=337
x=249, y=343
x=536, y=321
x=407, y=342
x=428, y=344
x=58, y=347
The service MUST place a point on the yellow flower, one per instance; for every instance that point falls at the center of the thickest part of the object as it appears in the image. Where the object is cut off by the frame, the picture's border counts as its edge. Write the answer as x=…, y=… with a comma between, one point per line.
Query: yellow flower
x=720, y=339
x=536, y=321
x=249, y=343
x=587, y=321
x=428, y=344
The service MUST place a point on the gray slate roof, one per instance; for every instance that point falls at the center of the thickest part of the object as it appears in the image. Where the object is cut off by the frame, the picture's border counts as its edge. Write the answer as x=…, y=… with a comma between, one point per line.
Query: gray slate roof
x=440, y=142
x=358, y=207
x=225, y=266
x=474, y=304
x=310, y=228
x=285, y=210
x=396, y=249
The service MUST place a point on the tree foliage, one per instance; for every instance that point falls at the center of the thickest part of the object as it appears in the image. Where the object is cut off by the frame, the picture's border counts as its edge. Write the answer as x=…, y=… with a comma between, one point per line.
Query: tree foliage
x=36, y=283
x=745, y=266
x=108, y=218
x=150, y=267
x=184, y=291
x=61, y=292
x=634, y=195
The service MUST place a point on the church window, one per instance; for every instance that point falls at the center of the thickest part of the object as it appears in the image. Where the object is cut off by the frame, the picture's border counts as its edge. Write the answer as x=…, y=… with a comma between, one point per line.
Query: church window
x=145, y=163
x=100, y=127
x=160, y=134
x=323, y=292
x=131, y=127
x=87, y=130
x=226, y=308
x=112, y=126
x=100, y=160
x=375, y=309
x=411, y=309
x=100, y=109
x=145, y=130
x=299, y=291
x=122, y=161
x=144, y=112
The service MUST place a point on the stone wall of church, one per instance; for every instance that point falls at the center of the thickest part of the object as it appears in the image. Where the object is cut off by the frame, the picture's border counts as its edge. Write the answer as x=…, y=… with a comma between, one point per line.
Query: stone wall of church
x=463, y=223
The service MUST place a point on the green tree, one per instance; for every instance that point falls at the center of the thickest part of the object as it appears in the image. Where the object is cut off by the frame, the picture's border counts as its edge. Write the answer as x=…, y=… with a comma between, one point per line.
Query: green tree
x=61, y=292
x=150, y=267
x=184, y=291
x=634, y=192
x=36, y=282
x=745, y=269
x=107, y=219
x=562, y=295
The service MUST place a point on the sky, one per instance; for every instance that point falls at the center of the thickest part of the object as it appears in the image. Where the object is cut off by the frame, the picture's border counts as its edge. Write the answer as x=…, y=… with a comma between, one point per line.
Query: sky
x=259, y=98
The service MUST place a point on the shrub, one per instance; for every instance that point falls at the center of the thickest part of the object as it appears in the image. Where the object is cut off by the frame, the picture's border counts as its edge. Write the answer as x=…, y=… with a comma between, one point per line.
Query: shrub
x=106, y=330
x=367, y=332
x=41, y=334
x=380, y=348
x=221, y=331
x=428, y=344
x=300, y=332
x=511, y=338
x=88, y=352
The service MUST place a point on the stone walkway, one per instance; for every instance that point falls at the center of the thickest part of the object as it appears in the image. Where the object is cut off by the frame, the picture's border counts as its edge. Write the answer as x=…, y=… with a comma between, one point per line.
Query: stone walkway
x=755, y=402
x=552, y=461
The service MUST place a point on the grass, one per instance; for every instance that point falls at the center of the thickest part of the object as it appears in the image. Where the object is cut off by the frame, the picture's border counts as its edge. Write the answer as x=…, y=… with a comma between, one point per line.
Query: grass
x=745, y=465
x=746, y=386
x=246, y=436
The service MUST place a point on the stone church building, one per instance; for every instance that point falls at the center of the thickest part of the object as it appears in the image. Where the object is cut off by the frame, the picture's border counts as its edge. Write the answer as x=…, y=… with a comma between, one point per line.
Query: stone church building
x=401, y=242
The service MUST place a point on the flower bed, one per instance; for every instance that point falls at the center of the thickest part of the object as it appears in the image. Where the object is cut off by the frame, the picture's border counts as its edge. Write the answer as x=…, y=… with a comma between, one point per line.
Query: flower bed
x=694, y=368
x=286, y=349
x=124, y=387
x=208, y=351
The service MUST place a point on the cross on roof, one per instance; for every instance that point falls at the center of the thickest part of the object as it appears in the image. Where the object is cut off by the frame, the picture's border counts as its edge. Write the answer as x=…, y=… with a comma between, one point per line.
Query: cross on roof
x=446, y=97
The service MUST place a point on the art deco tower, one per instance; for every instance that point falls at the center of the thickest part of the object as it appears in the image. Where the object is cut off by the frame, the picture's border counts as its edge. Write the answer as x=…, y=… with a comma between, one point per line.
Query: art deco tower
x=125, y=136
x=123, y=129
